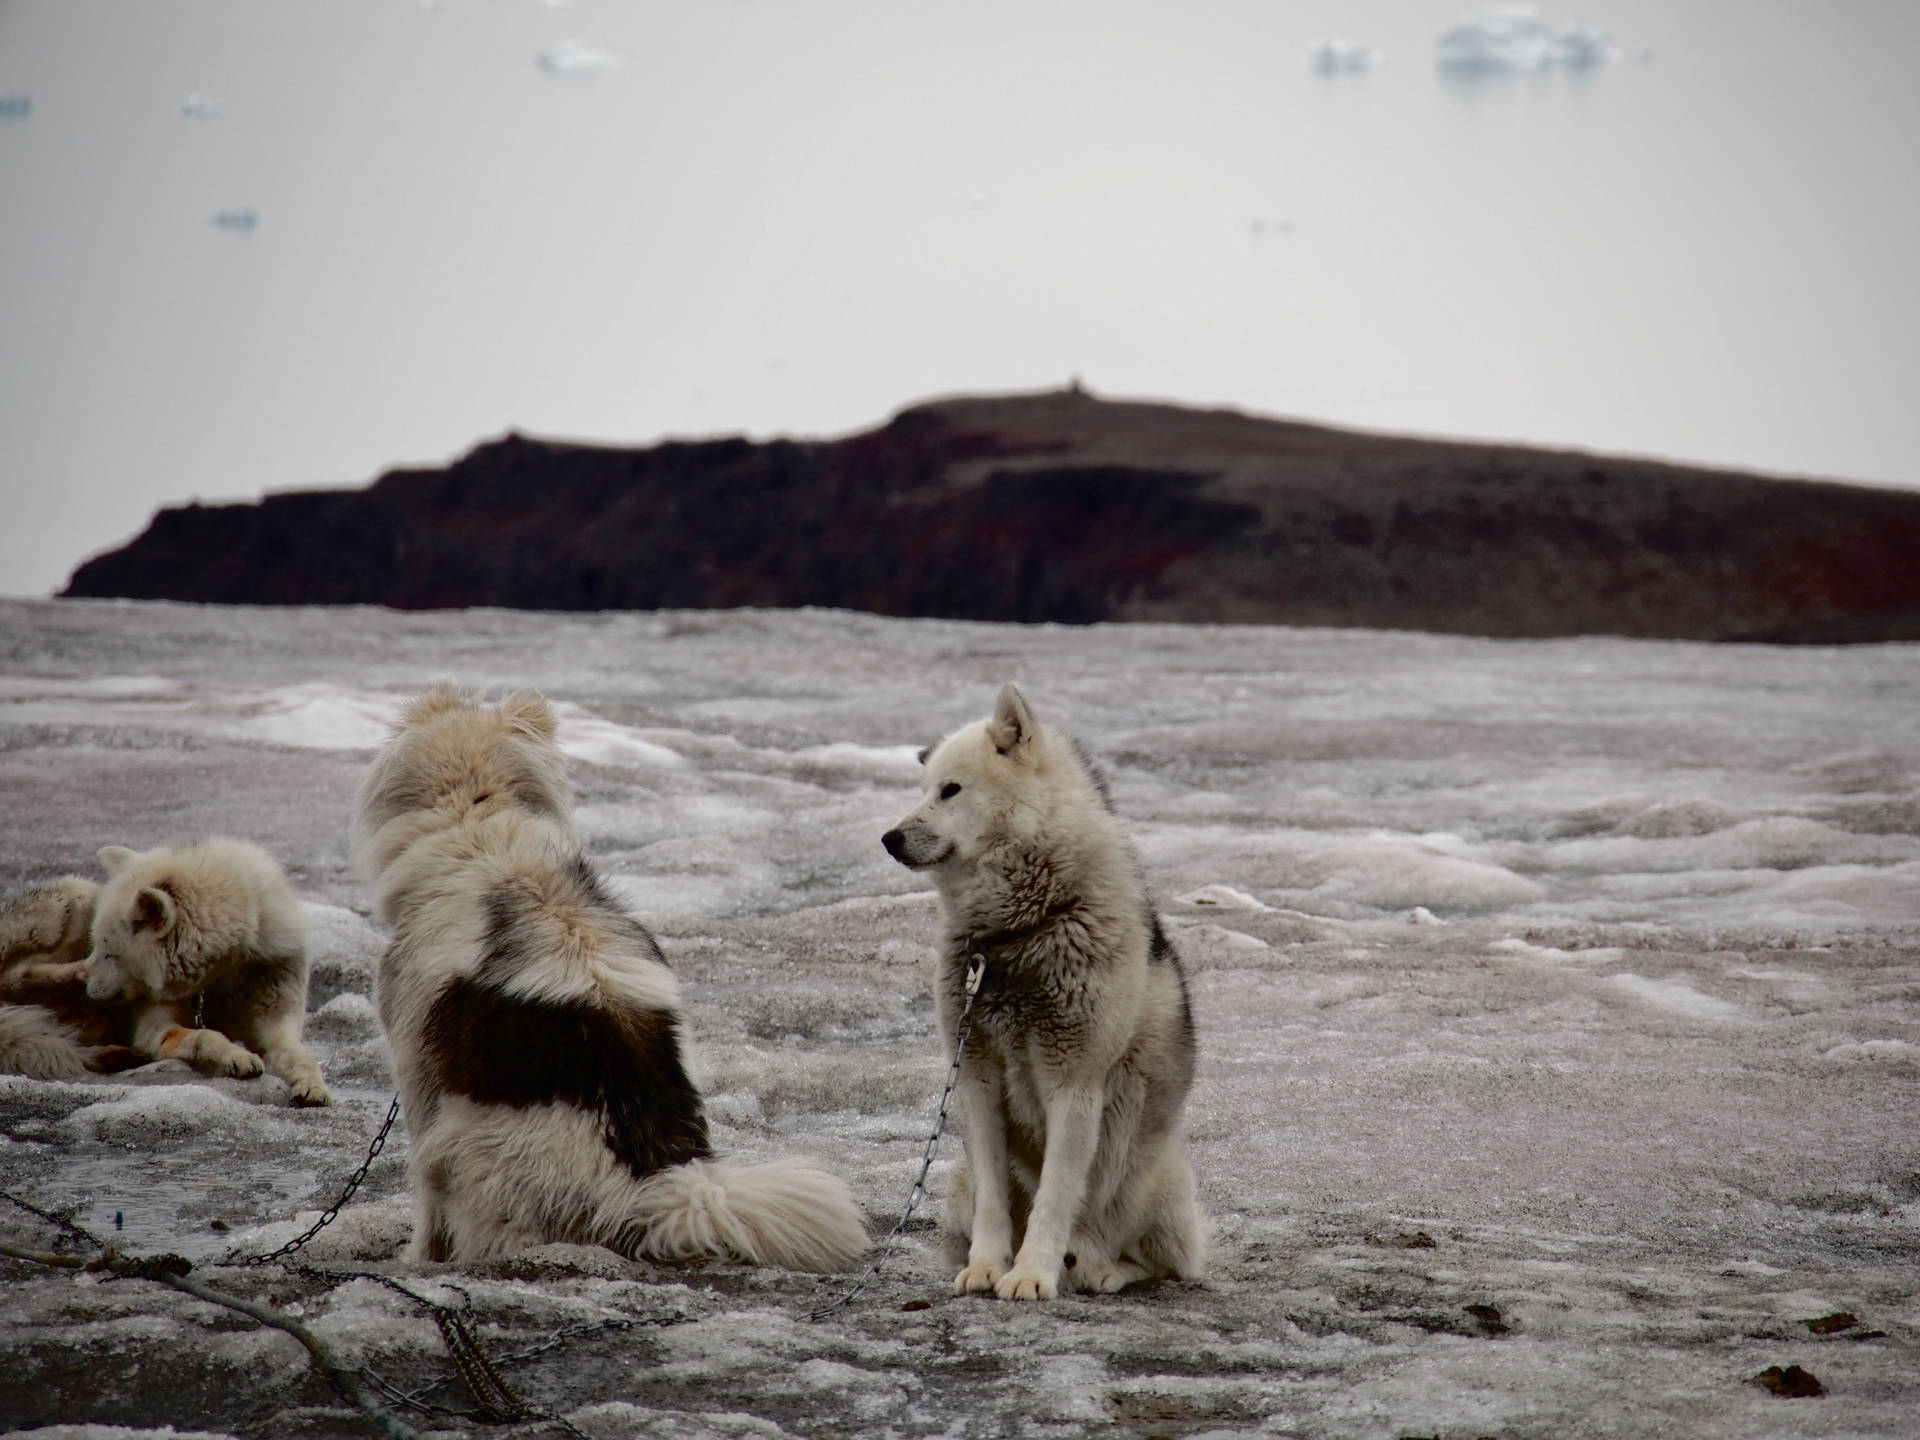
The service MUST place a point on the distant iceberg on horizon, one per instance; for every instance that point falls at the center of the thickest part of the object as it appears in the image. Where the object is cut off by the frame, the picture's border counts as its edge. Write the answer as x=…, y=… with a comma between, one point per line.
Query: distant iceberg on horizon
x=577, y=57
x=1343, y=57
x=1513, y=37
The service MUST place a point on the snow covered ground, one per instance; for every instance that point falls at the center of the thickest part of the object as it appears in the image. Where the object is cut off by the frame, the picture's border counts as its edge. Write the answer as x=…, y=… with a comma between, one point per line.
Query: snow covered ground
x=1559, y=1004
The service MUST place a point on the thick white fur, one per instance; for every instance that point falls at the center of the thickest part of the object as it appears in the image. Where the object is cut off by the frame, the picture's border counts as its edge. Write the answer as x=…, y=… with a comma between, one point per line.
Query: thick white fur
x=34, y=1041
x=1082, y=1046
x=43, y=947
x=467, y=798
x=212, y=929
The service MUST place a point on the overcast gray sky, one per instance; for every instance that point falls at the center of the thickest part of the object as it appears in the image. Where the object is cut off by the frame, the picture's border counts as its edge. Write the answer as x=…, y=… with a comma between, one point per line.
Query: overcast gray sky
x=767, y=216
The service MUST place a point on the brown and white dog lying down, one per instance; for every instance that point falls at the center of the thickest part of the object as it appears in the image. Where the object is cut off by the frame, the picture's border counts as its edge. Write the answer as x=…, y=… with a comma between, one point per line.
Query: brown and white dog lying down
x=49, y=1029
x=536, y=1030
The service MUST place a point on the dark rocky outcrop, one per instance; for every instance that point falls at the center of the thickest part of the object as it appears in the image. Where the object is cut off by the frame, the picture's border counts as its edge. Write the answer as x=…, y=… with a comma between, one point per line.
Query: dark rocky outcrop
x=1065, y=507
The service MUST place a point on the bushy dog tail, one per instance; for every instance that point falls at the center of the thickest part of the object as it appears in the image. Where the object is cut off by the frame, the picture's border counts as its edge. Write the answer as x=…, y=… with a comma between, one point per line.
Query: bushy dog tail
x=786, y=1213
x=36, y=1042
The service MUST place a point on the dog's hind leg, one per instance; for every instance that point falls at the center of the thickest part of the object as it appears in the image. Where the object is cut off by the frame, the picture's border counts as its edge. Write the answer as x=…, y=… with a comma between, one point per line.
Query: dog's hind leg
x=1174, y=1237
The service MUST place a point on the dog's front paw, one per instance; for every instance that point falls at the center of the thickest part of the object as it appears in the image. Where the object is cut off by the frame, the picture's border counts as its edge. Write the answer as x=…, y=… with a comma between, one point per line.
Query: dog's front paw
x=310, y=1093
x=212, y=1052
x=1025, y=1283
x=978, y=1278
x=239, y=1062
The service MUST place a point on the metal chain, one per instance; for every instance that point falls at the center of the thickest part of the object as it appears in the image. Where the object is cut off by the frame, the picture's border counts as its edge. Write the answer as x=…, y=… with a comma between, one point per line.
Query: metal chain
x=68, y=1229
x=327, y=1217
x=976, y=970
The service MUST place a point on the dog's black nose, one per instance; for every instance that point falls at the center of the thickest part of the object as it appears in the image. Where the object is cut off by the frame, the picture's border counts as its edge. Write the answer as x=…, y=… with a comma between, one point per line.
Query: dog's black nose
x=894, y=840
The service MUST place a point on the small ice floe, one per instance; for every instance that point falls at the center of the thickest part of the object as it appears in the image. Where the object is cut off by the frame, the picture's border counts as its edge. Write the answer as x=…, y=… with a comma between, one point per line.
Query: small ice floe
x=198, y=106
x=577, y=57
x=1504, y=38
x=15, y=107
x=235, y=217
x=1343, y=57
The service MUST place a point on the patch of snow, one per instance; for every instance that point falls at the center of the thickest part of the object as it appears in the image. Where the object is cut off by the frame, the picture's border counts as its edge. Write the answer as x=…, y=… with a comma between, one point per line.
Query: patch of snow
x=1224, y=897
x=319, y=717
x=1898, y=1052
x=1673, y=995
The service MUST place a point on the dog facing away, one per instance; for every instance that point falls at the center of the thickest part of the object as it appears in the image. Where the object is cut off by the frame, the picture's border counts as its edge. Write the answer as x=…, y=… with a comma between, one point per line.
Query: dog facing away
x=208, y=944
x=535, y=1027
x=1082, y=1047
x=49, y=1029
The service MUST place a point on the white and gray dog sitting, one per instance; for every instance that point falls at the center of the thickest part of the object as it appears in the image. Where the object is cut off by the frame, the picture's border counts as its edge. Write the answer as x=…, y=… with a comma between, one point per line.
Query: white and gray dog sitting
x=1082, y=1048
x=535, y=1027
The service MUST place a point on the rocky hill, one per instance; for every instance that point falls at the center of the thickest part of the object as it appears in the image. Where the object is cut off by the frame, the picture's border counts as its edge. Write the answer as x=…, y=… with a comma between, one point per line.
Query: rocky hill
x=1065, y=507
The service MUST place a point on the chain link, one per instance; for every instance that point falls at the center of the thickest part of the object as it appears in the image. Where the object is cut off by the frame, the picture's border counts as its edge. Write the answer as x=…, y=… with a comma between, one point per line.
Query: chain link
x=976, y=971
x=69, y=1230
x=327, y=1217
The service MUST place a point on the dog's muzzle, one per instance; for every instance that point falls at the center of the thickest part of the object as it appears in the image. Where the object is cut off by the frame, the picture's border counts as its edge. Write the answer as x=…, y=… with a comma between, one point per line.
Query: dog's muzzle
x=896, y=843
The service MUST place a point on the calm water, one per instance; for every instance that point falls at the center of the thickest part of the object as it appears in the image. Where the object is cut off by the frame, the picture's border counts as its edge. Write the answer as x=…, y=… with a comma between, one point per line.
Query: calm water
x=776, y=217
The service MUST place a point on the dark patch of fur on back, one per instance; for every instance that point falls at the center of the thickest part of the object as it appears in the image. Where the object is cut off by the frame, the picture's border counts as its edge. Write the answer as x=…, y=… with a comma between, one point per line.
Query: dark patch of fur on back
x=617, y=1058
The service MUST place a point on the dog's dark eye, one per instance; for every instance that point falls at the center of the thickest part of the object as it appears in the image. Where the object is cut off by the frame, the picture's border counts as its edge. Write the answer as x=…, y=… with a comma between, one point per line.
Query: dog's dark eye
x=949, y=790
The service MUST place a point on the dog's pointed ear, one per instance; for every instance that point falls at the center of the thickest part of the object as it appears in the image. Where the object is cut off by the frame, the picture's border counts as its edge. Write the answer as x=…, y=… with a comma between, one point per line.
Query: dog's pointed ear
x=115, y=858
x=528, y=710
x=153, y=909
x=925, y=751
x=437, y=699
x=1013, y=724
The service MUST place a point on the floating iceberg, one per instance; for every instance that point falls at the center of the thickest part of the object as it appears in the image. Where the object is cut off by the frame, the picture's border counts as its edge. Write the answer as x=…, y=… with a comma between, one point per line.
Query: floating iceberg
x=577, y=57
x=14, y=107
x=1343, y=57
x=1514, y=37
x=236, y=217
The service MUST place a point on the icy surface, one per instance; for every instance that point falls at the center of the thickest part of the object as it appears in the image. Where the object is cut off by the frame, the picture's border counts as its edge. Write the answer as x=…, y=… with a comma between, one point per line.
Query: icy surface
x=1557, y=1004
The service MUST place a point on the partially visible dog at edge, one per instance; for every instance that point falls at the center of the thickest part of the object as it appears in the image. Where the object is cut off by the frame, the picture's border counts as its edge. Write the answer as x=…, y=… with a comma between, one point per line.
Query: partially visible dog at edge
x=49, y=1029
x=193, y=952
x=536, y=1030
x=1082, y=1045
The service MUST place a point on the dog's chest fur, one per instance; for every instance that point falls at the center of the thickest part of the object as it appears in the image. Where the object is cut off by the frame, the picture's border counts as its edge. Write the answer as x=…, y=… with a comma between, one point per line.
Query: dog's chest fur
x=1040, y=989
